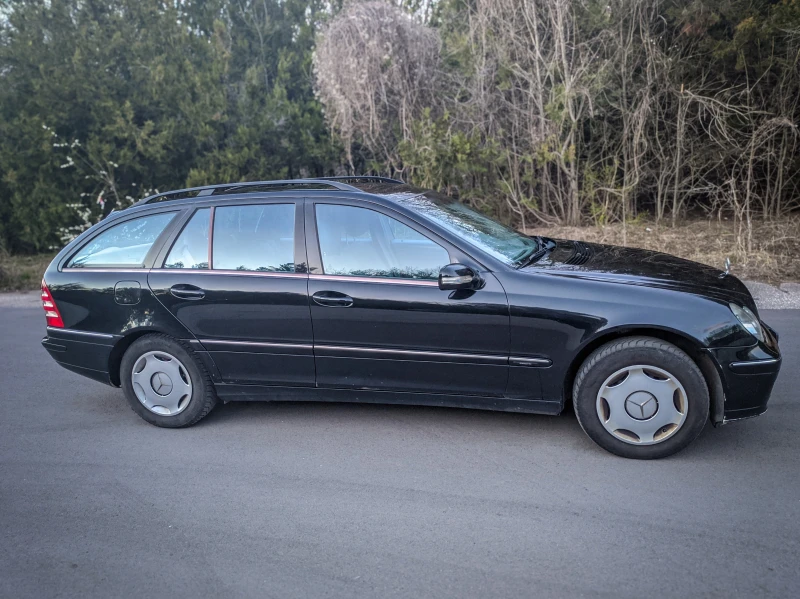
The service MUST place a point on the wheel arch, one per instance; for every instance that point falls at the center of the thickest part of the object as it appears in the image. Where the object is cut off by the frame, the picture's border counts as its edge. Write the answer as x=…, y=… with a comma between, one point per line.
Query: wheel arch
x=119, y=349
x=691, y=346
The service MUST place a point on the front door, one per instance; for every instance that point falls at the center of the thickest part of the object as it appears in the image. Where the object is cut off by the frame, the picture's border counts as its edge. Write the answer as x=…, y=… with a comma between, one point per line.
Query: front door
x=380, y=320
x=231, y=277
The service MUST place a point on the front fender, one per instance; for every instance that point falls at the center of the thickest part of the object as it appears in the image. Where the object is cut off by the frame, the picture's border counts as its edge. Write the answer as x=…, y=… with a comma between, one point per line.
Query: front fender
x=564, y=319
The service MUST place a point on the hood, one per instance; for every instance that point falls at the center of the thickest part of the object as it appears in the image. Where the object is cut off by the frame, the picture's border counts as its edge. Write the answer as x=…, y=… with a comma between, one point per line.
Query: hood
x=634, y=266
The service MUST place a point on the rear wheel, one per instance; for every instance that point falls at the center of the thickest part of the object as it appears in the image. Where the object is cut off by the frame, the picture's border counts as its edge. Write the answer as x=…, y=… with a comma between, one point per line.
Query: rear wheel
x=640, y=397
x=165, y=383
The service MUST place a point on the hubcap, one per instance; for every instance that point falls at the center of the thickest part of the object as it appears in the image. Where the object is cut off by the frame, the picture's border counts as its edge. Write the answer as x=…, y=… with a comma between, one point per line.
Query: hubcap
x=161, y=383
x=642, y=405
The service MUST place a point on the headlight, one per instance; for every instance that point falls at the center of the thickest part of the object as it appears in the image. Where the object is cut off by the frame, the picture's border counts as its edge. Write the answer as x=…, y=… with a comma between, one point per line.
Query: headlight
x=748, y=320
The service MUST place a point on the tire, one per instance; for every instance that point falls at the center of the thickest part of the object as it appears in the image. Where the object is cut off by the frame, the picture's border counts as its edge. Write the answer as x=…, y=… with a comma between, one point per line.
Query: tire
x=180, y=391
x=614, y=391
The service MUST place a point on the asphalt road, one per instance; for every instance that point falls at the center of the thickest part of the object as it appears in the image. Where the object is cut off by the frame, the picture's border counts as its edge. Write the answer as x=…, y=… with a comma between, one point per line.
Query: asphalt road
x=318, y=500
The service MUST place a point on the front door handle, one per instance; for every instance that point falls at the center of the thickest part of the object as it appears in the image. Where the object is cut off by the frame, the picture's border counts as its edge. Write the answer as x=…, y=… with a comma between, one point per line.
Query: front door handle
x=189, y=292
x=332, y=299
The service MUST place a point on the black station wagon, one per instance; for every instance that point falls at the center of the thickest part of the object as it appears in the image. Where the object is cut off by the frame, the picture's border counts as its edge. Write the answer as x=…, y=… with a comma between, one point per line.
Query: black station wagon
x=369, y=290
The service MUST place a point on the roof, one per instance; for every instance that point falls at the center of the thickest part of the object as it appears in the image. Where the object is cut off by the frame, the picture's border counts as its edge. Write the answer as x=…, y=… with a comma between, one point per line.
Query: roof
x=367, y=184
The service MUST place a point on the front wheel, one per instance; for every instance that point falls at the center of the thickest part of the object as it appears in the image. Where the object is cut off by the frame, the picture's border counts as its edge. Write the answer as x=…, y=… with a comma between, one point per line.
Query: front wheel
x=640, y=397
x=165, y=383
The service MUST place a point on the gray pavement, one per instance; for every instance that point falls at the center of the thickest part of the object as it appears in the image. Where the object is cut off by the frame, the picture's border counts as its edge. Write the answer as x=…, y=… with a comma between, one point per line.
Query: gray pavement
x=782, y=297
x=324, y=500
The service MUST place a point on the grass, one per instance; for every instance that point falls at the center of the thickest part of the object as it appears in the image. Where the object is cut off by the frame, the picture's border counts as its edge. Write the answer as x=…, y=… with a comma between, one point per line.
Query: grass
x=22, y=273
x=774, y=255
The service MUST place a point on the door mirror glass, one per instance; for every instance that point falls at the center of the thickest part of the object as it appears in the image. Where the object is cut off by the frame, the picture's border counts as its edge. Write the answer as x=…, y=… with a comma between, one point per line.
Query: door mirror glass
x=458, y=276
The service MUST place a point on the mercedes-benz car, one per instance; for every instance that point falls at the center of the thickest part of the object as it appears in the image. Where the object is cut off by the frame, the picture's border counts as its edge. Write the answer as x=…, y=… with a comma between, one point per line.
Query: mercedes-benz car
x=365, y=289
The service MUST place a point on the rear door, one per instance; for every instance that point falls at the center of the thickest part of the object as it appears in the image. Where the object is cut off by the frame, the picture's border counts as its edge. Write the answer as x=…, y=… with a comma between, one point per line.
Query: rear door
x=234, y=275
x=380, y=320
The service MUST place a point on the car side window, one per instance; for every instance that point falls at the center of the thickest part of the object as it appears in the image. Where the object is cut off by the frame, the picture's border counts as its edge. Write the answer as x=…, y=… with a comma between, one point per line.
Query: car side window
x=190, y=249
x=362, y=242
x=257, y=237
x=125, y=244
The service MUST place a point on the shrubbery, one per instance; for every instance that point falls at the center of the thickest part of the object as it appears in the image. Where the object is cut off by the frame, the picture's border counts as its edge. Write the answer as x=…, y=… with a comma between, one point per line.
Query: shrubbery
x=554, y=111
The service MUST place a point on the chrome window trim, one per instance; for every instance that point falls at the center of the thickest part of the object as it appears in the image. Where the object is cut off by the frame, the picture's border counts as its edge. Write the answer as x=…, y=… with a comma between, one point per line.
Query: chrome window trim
x=105, y=269
x=381, y=280
x=240, y=273
x=195, y=271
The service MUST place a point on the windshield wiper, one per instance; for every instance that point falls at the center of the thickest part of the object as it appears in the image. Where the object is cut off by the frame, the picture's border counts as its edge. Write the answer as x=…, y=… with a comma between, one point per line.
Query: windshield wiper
x=543, y=246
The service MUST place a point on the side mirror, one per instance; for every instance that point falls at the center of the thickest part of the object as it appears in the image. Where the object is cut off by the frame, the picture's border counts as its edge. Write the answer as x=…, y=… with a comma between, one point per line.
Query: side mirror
x=458, y=276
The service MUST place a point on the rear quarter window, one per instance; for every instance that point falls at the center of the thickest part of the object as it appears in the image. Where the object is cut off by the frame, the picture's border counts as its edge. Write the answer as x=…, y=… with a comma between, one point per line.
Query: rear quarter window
x=125, y=244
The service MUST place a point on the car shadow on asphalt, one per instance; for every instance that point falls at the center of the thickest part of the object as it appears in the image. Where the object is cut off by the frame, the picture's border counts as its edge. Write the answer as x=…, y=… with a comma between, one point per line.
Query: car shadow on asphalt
x=762, y=435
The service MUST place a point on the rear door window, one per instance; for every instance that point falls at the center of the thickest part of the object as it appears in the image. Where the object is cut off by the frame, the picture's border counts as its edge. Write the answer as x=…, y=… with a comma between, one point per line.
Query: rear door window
x=190, y=250
x=125, y=244
x=258, y=237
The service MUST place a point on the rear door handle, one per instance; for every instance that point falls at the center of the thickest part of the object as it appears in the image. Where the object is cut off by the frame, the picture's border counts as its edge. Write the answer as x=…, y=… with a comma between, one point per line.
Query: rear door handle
x=332, y=299
x=189, y=292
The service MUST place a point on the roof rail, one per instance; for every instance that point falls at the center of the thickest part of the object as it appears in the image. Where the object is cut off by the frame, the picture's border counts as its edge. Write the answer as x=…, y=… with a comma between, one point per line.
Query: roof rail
x=207, y=190
x=370, y=178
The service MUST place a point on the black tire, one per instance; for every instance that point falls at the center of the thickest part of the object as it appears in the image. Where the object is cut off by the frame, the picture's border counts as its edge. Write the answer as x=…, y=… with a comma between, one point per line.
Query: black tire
x=203, y=397
x=629, y=351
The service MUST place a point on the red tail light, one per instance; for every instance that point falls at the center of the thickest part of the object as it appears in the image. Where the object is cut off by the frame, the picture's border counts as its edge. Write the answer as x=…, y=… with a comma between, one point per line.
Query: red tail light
x=51, y=312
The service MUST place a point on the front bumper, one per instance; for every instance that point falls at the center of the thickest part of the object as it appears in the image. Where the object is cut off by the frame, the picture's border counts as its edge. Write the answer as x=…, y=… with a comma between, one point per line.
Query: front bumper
x=747, y=375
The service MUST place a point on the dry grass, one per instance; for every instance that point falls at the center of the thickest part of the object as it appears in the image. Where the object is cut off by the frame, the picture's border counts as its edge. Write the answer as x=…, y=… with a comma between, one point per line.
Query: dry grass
x=774, y=258
x=22, y=273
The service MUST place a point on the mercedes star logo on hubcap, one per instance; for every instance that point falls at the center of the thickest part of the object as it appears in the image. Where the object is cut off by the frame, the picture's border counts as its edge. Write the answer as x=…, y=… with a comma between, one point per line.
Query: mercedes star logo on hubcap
x=161, y=383
x=641, y=405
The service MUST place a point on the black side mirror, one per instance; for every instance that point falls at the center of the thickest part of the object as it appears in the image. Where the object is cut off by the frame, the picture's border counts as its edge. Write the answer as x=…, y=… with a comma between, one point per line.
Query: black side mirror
x=458, y=276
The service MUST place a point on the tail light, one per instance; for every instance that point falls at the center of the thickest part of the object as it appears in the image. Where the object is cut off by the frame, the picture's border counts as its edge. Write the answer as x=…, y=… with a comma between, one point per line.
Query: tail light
x=51, y=312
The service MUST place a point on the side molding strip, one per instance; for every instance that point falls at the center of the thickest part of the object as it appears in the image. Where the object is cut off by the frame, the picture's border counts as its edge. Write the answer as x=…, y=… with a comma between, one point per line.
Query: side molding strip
x=57, y=332
x=339, y=351
x=530, y=362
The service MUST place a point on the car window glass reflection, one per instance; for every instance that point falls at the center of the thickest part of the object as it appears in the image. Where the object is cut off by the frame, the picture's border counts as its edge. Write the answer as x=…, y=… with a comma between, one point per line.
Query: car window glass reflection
x=494, y=238
x=191, y=248
x=362, y=242
x=259, y=237
x=125, y=244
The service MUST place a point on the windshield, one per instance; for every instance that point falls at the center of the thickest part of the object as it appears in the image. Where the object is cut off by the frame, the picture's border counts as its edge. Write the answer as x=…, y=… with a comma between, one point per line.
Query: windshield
x=495, y=239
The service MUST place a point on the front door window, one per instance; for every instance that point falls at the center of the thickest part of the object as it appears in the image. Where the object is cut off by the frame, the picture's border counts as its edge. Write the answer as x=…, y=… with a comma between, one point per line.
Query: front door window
x=362, y=242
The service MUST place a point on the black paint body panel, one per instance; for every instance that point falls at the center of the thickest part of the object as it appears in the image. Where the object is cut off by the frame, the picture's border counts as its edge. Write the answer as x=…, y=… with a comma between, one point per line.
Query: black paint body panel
x=393, y=336
x=514, y=344
x=256, y=327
